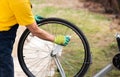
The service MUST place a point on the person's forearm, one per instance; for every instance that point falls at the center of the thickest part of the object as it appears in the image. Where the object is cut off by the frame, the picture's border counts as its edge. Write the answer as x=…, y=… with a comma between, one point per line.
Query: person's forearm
x=36, y=31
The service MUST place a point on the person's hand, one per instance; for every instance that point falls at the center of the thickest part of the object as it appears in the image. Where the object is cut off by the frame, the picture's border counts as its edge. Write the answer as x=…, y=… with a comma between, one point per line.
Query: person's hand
x=62, y=40
x=38, y=18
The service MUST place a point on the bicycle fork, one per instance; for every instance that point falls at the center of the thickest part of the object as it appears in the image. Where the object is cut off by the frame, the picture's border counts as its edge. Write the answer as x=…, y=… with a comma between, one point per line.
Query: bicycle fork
x=59, y=66
x=57, y=52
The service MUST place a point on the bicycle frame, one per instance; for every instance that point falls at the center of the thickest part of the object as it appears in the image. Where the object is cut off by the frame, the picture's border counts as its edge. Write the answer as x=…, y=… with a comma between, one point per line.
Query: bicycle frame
x=112, y=65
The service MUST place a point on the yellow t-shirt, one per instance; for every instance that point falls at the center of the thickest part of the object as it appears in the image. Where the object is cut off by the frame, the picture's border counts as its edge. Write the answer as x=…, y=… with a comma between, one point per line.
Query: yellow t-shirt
x=13, y=12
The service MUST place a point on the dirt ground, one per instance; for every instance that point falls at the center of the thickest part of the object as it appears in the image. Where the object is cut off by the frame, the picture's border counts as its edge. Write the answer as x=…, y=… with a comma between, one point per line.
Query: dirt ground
x=19, y=32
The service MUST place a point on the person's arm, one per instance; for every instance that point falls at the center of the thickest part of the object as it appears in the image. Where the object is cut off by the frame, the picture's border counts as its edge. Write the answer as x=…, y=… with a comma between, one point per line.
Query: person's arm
x=36, y=31
x=23, y=14
x=59, y=39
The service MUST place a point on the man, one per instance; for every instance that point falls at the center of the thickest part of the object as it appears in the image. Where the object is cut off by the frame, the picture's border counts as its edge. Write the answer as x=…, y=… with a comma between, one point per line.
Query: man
x=12, y=13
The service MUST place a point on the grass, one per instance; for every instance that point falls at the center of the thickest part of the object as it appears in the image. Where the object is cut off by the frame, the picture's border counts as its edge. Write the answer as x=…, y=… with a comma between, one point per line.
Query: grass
x=96, y=28
x=74, y=59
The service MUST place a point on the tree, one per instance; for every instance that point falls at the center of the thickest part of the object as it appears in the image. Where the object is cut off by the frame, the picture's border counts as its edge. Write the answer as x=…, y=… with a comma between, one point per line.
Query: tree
x=111, y=6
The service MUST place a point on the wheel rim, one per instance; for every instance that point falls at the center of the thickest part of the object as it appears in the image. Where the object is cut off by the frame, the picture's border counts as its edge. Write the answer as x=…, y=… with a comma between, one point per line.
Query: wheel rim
x=73, y=56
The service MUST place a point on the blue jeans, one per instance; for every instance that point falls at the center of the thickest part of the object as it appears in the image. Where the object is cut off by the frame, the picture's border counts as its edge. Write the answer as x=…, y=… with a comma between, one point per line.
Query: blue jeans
x=7, y=39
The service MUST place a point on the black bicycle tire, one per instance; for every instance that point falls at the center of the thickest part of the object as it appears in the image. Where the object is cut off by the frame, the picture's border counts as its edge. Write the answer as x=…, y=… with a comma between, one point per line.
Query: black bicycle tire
x=87, y=59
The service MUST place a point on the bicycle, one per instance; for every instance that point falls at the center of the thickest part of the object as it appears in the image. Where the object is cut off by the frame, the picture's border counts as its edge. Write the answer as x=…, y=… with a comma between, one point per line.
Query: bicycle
x=40, y=58
x=115, y=64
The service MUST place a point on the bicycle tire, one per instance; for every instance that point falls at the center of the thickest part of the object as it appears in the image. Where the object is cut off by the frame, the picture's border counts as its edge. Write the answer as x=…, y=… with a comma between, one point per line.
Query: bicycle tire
x=81, y=57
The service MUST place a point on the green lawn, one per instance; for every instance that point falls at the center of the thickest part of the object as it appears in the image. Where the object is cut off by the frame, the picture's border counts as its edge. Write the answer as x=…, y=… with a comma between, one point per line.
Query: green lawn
x=95, y=27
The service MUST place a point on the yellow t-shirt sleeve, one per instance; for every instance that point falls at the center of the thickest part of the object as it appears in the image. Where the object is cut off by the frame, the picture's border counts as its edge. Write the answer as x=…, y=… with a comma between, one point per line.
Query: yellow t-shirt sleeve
x=22, y=11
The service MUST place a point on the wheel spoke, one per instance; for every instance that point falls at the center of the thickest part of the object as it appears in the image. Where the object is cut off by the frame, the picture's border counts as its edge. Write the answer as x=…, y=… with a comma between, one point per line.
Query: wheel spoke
x=35, y=54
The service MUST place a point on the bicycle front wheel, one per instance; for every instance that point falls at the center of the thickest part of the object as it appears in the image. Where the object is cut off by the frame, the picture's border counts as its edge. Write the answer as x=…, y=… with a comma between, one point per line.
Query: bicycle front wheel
x=35, y=57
